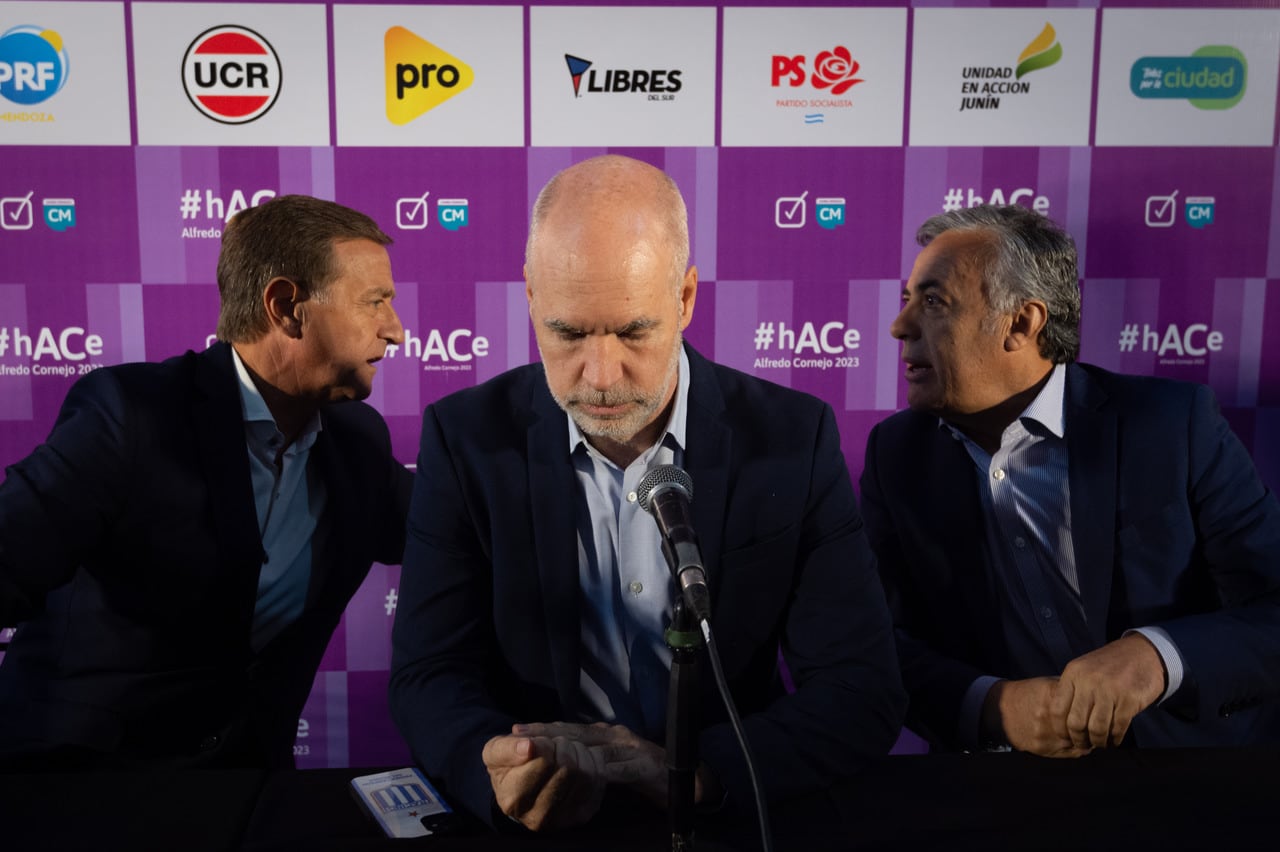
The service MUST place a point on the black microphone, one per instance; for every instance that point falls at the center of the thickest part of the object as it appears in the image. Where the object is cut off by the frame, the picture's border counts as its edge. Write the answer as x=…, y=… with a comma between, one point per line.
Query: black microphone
x=665, y=493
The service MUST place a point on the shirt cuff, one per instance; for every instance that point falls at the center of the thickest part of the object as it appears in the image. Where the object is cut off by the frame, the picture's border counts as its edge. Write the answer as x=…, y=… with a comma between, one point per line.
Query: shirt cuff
x=1169, y=655
x=975, y=696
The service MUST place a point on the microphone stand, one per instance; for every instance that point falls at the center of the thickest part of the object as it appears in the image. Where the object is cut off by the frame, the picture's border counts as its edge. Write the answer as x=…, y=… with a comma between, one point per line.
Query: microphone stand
x=682, y=638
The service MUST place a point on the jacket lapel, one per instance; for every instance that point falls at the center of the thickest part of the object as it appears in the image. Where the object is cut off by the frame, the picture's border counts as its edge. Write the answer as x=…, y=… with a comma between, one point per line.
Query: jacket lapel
x=551, y=486
x=1092, y=434
x=218, y=427
x=706, y=460
x=955, y=507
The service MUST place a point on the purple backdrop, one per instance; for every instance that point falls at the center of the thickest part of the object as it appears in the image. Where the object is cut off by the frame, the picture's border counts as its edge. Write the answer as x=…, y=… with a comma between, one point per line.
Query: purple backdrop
x=802, y=251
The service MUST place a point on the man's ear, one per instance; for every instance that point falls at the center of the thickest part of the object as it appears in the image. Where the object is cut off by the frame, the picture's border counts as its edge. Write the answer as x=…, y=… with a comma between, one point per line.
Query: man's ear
x=688, y=296
x=1027, y=325
x=282, y=300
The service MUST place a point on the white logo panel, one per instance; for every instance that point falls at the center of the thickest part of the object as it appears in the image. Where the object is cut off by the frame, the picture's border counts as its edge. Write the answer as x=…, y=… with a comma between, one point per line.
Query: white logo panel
x=1188, y=77
x=178, y=106
x=488, y=39
x=813, y=77
x=1001, y=76
x=615, y=76
x=63, y=74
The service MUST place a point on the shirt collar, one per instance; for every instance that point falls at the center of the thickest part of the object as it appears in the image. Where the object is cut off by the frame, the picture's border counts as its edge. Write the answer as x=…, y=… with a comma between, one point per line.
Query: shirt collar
x=254, y=407
x=1046, y=409
x=676, y=425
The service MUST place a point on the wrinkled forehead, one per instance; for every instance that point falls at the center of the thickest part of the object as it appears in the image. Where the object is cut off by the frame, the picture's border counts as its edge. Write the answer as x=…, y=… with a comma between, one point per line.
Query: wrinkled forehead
x=955, y=260
x=600, y=245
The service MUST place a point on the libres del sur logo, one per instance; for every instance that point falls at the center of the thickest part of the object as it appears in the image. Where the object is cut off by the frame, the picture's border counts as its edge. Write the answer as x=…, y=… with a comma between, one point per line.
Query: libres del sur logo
x=1212, y=77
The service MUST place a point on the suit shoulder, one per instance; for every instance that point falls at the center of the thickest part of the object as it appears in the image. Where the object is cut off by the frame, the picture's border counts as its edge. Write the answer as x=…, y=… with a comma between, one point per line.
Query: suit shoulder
x=743, y=390
x=142, y=380
x=1144, y=393
x=359, y=417
x=508, y=395
x=904, y=426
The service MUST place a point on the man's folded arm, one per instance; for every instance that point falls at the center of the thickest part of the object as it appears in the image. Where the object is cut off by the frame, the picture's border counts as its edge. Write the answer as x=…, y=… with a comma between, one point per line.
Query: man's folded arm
x=443, y=634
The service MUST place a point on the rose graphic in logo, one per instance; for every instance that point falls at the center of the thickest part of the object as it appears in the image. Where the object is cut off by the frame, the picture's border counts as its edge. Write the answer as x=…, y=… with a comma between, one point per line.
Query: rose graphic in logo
x=835, y=68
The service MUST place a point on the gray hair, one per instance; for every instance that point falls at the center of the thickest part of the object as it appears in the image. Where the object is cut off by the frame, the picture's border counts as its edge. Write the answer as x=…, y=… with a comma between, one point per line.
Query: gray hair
x=620, y=177
x=1029, y=258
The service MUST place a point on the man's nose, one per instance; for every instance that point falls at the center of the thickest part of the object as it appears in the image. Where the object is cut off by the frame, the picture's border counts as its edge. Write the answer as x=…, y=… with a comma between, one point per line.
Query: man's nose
x=904, y=324
x=603, y=367
x=393, y=331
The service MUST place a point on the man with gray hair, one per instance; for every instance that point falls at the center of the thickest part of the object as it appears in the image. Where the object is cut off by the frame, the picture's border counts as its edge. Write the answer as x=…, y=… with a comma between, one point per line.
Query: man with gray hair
x=1074, y=558
x=529, y=669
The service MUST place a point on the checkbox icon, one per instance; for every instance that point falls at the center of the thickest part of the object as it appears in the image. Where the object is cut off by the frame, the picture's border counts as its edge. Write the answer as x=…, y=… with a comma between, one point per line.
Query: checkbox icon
x=411, y=213
x=15, y=213
x=789, y=212
x=1162, y=210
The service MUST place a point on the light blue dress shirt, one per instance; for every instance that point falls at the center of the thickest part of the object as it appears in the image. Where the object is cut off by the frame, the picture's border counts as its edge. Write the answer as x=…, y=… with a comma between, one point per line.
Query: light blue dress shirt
x=626, y=586
x=289, y=503
x=1024, y=489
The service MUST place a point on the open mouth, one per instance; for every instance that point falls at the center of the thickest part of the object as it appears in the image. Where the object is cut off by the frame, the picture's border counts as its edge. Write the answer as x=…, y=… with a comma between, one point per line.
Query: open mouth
x=917, y=370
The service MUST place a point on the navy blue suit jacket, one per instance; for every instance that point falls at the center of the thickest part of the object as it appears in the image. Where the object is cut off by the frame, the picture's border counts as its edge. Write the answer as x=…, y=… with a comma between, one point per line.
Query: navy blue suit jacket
x=1171, y=528
x=487, y=628
x=129, y=550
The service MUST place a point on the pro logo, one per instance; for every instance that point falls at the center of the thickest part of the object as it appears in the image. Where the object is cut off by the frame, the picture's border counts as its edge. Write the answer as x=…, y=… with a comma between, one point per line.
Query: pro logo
x=420, y=76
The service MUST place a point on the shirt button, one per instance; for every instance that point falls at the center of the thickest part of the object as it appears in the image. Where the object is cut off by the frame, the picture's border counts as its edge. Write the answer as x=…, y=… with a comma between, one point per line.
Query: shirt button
x=631, y=497
x=1046, y=613
x=1019, y=542
x=998, y=474
x=636, y=587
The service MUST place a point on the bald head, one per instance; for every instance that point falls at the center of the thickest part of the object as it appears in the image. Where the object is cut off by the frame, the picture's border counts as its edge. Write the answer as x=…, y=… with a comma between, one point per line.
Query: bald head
x=610, y=294
x=633, y=201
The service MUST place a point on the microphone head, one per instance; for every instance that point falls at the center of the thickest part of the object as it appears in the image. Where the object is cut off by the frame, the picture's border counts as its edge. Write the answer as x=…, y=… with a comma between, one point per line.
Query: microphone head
x=659, y=479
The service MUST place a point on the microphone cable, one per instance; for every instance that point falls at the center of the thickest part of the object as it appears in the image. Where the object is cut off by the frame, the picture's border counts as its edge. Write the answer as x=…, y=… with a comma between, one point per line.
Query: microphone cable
x=722, y=684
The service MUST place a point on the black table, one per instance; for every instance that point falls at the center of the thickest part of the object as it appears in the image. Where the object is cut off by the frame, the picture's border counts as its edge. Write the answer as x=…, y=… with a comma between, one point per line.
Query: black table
x=1216, y=799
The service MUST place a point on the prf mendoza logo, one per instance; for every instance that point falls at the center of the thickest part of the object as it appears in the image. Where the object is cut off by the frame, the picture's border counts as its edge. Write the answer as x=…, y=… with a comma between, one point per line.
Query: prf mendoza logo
x=33, y=64
x=1211, y=78
x=231, y=74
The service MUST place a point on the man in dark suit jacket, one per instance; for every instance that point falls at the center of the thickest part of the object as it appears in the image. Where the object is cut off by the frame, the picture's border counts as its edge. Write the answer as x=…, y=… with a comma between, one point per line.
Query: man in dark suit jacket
x=179, y=551
x=534, y=593
x=1070, y=555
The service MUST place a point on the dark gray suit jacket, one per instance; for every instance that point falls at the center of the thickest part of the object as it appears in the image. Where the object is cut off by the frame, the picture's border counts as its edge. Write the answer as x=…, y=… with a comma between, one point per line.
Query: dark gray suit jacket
x=487, y=630
x=1171, y=528
x=129, y=552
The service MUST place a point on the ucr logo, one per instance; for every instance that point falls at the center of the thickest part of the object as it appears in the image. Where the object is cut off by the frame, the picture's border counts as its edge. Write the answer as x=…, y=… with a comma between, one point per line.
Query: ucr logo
x=231, y=74
x=33, y=64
